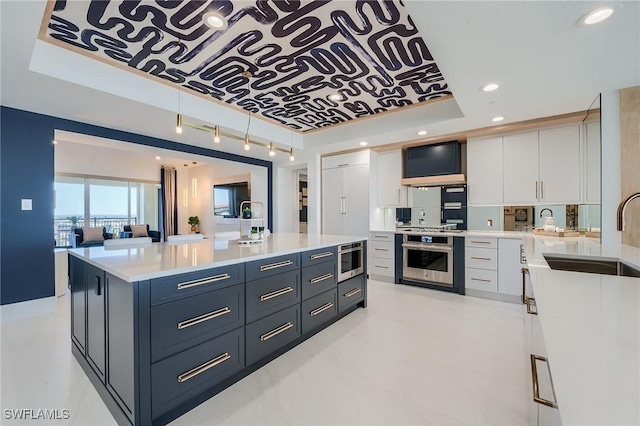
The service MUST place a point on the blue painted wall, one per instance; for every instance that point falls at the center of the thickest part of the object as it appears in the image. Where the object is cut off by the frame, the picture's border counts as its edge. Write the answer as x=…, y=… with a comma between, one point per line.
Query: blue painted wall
x=26, y=171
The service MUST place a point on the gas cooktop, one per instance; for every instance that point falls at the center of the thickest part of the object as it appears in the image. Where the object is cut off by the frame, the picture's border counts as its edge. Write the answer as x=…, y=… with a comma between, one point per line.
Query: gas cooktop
x=440, y=228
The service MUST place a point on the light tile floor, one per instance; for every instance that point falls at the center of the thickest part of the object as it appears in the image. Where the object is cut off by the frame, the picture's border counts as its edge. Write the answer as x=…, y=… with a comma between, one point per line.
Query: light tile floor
x=414, y=356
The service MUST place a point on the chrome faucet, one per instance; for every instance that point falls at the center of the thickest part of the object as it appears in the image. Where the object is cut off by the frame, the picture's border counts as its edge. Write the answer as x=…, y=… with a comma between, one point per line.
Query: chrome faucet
x=542, y=211
x=622, y=207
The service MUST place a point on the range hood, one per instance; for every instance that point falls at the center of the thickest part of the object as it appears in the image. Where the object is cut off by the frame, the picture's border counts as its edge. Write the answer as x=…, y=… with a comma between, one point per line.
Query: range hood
x=440, y=180
x=434, y=165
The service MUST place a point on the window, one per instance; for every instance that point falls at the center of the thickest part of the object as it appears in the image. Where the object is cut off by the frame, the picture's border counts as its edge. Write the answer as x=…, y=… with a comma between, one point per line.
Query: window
x=84, y=201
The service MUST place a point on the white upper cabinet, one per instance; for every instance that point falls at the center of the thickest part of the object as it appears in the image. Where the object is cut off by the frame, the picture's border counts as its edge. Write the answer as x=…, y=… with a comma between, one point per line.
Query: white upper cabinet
x=520, y=164
x=559, y=153
x=390, y=192
x=346, y=160
x=542, y=167
x=484, y=171
x=592, y=163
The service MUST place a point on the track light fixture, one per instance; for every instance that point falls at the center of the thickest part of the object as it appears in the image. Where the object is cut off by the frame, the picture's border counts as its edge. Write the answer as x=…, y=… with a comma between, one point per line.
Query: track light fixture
x=291, y=157
x=272, y=151
x=247, y=147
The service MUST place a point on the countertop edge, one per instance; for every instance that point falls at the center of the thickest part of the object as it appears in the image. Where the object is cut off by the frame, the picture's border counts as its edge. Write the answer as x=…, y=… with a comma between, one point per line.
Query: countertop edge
x=79, y=253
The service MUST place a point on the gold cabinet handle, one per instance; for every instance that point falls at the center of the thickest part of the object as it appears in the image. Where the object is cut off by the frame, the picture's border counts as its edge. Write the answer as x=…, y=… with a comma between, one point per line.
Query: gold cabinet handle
x=275, y=331
x=321, y=255
x=383, y=267
x=320, y=278
x=541, y=190
x=275, y=293
x=480, y=242
x=203, y=367
x=203, y=318
x=321, y=309
x=480, y=258
x=524, y=272
x=379, y=249
x=529, y=301
x=380, y=236
x=534, y=381
x=480, y=279
x=537, y=191
x=275, y=265
x=202, y=281
x=352, y=292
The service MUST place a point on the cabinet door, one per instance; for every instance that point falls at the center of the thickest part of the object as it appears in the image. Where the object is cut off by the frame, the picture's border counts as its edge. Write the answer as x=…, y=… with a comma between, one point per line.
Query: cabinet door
x=484, y=174
x=520, y=163
x=390, y=192
x=509, y=267
x=592, y=163
x=333, y=201
x=357, y=201
x=78, y=302
x=95, y=319
x=559, y=153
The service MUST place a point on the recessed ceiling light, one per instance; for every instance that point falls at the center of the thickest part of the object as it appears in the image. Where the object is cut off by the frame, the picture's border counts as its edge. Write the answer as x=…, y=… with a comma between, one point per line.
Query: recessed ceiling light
x=157, y=158
x=490, y=87
x=214, y=20
x=597, y=15
x=335, y=97
x=497, y=118
x=422, y=132
x=363, y=143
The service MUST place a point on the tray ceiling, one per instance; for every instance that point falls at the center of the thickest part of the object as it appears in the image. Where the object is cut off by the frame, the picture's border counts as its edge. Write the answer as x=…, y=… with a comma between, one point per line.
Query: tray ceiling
x=300, y=53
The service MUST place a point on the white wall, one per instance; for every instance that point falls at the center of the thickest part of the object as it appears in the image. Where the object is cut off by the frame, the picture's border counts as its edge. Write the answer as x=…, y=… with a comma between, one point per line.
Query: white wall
x=611, y=192
x=314, y=182
x=94, y=160
x=222, y=171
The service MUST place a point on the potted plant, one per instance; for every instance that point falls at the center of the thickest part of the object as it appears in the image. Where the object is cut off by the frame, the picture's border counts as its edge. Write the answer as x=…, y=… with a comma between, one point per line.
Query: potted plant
x=74, y=221
x=194, y=222
x=246, y=213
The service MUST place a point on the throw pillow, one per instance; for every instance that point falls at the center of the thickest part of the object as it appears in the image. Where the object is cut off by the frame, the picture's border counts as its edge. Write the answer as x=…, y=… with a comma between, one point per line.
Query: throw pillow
x=139, y=231
x=92, y=234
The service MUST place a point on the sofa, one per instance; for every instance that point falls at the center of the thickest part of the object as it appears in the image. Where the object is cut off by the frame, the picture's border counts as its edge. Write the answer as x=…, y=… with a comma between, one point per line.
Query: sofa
x=77, y=238
x=155, y=235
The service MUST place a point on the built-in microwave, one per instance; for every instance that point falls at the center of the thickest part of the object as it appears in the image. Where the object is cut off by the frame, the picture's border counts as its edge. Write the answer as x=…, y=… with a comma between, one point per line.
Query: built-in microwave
x=350, y=260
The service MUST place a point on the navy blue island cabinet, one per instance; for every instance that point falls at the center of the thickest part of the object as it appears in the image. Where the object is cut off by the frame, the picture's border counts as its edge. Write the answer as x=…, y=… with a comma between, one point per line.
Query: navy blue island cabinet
x=155, y=349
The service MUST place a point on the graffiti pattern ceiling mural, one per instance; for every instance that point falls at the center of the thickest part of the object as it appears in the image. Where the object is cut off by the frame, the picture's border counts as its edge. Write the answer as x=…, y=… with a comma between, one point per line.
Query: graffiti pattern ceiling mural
x=302, y=54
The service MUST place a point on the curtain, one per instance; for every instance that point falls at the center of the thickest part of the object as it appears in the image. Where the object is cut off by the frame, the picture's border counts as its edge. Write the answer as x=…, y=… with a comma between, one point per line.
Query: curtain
x=169, y=201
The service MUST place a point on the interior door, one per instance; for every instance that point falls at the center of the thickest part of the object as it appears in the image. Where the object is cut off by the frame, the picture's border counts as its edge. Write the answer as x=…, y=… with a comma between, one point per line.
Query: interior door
x=333, y=217
x=357, y=200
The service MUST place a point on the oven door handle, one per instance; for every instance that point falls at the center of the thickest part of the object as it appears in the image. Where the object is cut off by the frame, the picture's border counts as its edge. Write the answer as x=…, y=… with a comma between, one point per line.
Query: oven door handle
x=425, y=247
x=351, y=250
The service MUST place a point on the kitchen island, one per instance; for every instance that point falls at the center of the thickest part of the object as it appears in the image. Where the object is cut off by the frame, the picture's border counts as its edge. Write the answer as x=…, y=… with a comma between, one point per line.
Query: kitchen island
x=163, y=327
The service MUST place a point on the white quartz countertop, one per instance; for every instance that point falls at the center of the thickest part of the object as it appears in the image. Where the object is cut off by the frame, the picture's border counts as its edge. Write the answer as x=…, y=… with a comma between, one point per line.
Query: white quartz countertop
x=164, y=259
x=591, y=329
x=477, y=234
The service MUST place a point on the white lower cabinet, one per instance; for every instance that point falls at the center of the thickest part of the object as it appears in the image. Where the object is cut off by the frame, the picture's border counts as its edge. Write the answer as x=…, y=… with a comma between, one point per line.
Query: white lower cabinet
x=493, y=268
x=543, y=409
x=381, y=255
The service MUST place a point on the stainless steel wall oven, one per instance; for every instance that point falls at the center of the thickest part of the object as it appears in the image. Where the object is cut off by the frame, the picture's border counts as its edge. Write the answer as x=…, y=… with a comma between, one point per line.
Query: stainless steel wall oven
x=428, y=259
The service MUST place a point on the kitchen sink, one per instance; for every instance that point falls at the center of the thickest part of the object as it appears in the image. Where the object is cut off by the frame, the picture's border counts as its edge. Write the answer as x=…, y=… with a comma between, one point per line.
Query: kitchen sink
x=592, y=265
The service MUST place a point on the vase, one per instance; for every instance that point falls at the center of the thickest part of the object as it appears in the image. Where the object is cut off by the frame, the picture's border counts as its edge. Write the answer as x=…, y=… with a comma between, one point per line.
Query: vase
x=193, y=228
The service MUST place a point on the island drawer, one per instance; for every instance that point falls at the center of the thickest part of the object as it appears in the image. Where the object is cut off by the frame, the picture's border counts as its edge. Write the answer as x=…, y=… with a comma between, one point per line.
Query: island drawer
x=350, y=292
x=313, y=257
x=271, y=294
x=272, y=266
x=271, y=333
x=319, y=278
x=176, y=287
x=184, y=323
x=318, y=310
x=382, y=236
x=180, y=377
